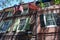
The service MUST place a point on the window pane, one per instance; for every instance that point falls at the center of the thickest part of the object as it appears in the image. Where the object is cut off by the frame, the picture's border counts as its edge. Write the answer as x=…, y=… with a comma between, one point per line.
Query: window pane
x=6, y=25
x=22, y=24
x=50, y=19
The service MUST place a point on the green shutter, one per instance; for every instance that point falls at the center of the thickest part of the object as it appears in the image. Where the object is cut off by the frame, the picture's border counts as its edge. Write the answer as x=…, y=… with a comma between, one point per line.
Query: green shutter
x=27, y=27
x=22, y=24
x=16, y=24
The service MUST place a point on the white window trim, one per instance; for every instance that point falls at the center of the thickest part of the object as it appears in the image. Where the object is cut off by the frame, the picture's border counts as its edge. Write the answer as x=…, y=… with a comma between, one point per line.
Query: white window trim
x=49, y=25
x=19, y=26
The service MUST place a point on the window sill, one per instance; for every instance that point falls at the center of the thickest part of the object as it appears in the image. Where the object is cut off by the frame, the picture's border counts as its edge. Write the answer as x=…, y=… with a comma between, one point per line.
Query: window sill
x=51, y=26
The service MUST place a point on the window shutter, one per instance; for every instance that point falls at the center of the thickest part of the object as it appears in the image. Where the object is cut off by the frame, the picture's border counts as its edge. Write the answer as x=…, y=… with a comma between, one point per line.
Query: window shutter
x=16, y=24
x=42, y=20
x=27, y=27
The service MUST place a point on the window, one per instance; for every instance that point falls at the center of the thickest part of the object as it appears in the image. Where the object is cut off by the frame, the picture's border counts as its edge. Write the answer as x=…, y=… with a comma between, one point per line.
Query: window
x=4, y=27
x=23, y=25
x=48, y=20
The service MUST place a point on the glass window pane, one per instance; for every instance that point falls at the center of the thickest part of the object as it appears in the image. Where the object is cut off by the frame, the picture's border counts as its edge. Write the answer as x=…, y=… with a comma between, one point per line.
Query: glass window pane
x=50, y=19
x=22, y=24
x=5, y=26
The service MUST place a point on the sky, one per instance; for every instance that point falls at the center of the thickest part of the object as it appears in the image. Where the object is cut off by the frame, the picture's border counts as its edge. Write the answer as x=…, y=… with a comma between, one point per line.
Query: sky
x=10, y=3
